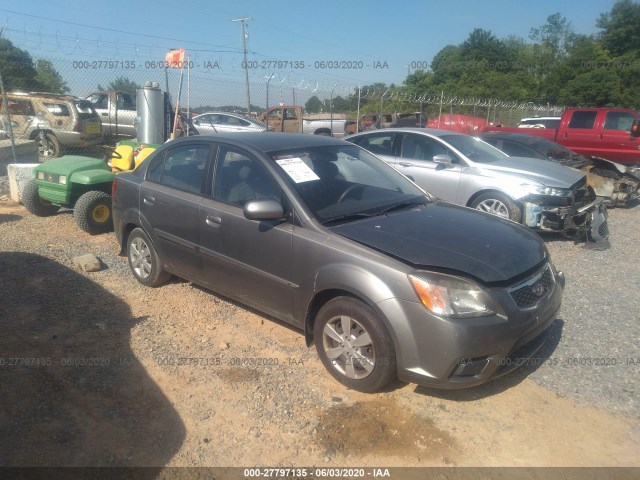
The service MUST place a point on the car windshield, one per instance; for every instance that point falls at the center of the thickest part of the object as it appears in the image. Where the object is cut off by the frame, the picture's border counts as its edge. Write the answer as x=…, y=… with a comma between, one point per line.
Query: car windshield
x=345, y=182
x=474, y=149
x=551, y=149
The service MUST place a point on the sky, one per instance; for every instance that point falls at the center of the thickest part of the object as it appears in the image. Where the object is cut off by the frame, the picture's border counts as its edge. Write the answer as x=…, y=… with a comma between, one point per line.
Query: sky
x=320, y=47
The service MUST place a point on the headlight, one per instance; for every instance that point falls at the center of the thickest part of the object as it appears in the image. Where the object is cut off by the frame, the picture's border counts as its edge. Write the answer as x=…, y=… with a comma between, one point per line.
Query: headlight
x=448, y=296
x=40, y=175
x=551, y=191
x=62, y=180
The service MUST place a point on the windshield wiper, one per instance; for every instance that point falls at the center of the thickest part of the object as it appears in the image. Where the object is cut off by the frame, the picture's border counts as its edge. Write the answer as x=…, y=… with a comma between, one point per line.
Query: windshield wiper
x=404, y=204
x=349, y=216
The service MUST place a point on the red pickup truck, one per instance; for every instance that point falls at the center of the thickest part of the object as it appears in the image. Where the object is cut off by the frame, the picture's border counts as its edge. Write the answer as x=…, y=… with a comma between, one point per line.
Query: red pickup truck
x=611, y=133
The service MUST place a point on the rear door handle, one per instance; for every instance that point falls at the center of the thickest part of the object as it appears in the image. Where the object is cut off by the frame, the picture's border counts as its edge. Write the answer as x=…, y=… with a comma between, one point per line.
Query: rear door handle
x=213, y=221
x=406, y=164
x=149, y=201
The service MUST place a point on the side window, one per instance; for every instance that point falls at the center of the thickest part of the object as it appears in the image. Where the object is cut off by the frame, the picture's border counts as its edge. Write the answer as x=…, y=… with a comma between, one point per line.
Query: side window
x=20, y=107
x=233, y=121
x=182, y=168
x=378, y=144
x=619, y=121
x=582, y=119
x=290, y=114
x=57, y=109
x=154, y=172
x=240, y=178
x=125, y=101
x=99, y=101
x=418, y=147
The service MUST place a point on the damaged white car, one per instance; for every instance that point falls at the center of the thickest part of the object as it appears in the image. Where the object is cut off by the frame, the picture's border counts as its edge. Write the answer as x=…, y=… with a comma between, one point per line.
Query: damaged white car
x=465, y=170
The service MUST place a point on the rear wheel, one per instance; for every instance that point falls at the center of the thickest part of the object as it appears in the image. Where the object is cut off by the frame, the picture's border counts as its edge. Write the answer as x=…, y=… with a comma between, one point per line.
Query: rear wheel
x=32, y=201
x=48, y=146
x=144, y=261
x=498, y=204
x=93, y=212
x=354, y=345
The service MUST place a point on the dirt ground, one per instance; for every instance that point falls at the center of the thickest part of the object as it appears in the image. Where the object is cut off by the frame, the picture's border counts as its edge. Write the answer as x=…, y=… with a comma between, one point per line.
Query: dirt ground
x=179, y=376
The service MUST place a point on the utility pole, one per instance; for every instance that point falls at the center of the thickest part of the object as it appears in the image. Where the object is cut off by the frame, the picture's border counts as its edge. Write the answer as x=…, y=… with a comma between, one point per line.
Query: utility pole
x=246, y=67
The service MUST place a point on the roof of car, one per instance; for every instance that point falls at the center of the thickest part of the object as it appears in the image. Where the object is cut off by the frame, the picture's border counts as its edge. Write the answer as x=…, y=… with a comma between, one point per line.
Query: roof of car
x=431, y=131
x=267, y=141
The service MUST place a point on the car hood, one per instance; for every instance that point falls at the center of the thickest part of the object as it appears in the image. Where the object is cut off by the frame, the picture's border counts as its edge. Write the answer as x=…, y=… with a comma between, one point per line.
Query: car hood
x=68, y=164
x=546, y=172
x=450, y=237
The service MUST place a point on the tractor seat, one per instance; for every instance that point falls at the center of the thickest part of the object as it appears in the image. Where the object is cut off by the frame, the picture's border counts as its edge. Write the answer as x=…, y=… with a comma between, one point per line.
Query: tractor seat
x=144, y=153
x=125, y=163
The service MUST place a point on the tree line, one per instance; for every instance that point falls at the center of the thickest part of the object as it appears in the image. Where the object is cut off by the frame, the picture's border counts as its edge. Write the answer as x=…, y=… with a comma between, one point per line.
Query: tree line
x=554, y=66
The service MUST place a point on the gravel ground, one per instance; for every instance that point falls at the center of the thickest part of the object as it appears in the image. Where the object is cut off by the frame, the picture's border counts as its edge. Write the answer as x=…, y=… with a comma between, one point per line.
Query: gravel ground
x=229, y=415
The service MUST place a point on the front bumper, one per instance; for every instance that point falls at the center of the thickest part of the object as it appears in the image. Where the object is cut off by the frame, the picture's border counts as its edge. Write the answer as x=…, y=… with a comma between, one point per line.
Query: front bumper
x=586, y=222
x=459, y=353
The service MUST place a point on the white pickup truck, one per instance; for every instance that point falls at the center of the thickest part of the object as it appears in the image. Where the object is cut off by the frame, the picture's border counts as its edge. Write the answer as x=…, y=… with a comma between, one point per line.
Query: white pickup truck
x=287, y=118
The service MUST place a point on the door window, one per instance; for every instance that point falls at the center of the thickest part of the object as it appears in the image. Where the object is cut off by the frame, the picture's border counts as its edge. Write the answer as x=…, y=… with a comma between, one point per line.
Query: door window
x=418, y=147
x=124, y=101
x=182, y=168
x=619, y=121
x=378, y=144
x=240, y=178
x=583, y=119
x=99, y=101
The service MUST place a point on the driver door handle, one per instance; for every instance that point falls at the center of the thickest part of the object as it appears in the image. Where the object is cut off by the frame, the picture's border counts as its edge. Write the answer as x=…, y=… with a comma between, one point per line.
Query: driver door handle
x=405, y=164
x=213, y=221
x=149, y=201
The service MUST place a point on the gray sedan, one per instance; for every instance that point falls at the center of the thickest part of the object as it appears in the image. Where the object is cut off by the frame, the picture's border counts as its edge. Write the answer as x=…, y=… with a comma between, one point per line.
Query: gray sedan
x=321, y=234
x=465, y=170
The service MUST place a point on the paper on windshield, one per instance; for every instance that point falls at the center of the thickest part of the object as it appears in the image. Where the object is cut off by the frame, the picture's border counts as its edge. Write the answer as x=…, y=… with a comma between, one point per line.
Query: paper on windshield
x=297, y=170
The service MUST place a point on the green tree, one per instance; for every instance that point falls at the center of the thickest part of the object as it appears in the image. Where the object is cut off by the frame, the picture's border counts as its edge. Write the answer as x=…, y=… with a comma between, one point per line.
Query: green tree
x=17, y=68
x=49, y=78
x=313, y=105
x=122, y=84
x=621, y=28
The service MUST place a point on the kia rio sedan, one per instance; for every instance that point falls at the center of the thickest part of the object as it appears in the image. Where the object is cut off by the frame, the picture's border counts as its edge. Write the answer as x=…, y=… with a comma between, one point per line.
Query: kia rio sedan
x=319, y=233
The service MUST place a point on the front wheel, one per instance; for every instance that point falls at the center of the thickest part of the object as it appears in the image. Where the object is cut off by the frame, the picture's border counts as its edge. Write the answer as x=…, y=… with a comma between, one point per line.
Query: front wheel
x=354, y=345
x=93, y=212
x=144, y=261
x=32, y=201
x=498, y=204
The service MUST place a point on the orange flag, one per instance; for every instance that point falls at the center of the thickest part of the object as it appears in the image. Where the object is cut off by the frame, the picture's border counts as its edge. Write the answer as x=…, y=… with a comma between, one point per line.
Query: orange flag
x=174, y=58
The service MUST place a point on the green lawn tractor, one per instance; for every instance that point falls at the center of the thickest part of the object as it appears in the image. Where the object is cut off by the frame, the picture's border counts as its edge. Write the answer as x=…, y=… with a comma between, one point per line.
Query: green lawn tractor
x=83, y=184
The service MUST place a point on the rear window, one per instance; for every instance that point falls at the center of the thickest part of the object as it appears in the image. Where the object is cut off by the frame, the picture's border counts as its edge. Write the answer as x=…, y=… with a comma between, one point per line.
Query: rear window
x=57, y=109
x=84, y=106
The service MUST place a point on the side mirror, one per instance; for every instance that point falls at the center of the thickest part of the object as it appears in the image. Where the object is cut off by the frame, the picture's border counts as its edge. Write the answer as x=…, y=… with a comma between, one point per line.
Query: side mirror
x=263, y=210
x=635, y=129
x=442, y=158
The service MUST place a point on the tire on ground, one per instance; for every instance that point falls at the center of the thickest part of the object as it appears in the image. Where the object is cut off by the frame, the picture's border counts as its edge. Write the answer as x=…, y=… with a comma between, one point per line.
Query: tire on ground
x=144, y=261
x=92, y=212
x=49, y=147
x=32, y=201
x=382, y=350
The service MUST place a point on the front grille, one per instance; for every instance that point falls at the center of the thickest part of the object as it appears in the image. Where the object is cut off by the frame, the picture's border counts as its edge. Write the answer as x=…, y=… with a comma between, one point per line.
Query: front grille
x=603, y=229
x=529, y=293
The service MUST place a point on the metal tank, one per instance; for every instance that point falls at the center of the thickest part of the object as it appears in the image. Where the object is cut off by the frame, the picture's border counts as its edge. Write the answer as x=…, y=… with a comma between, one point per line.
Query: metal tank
x=150, y=124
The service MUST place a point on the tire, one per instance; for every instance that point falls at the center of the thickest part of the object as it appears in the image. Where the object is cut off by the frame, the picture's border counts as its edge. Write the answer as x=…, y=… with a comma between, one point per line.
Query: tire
x=378, y=366
x=498, y=204
x=144, y=261
x=324, y=133
x=48, y=147
x=33, y=203
x=92, y=212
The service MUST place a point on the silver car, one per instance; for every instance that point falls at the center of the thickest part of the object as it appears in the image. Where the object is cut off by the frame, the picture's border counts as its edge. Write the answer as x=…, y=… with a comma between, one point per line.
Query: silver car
x=465, y=170
x=223, y=122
